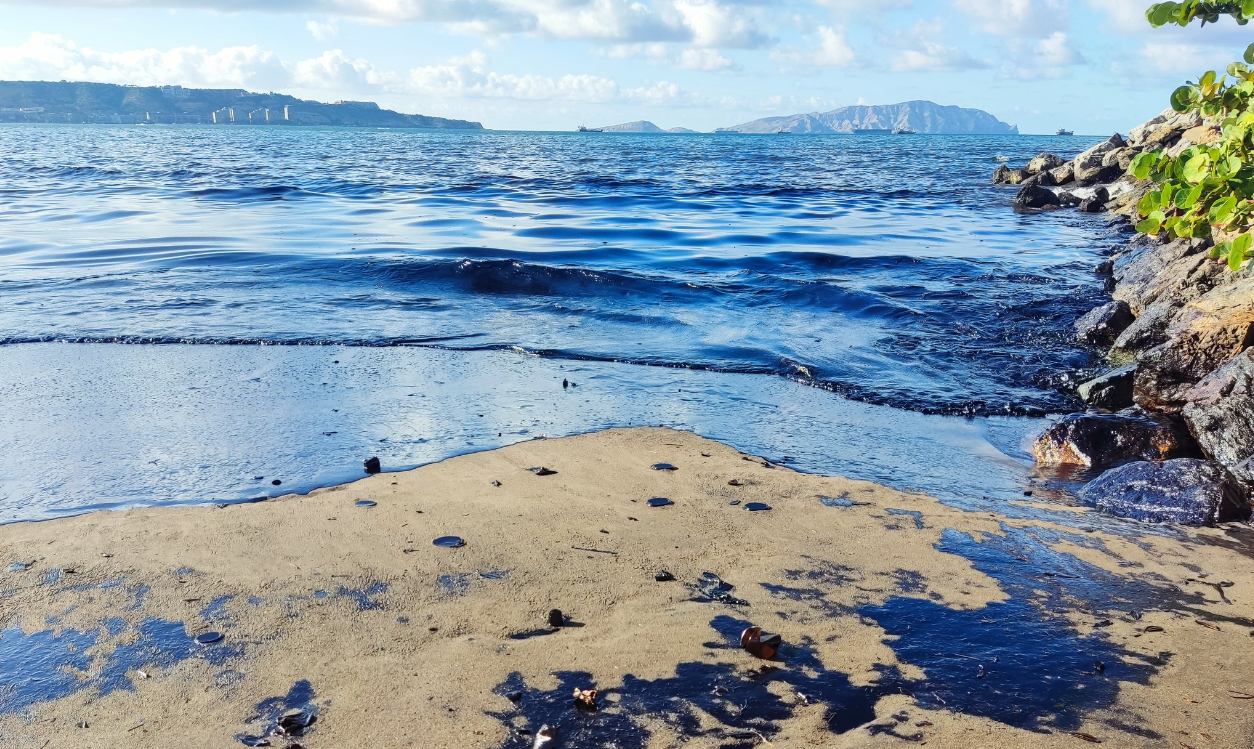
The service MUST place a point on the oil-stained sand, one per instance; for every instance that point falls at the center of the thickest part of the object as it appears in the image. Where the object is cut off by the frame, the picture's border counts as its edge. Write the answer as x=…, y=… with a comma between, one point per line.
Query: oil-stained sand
x=903, y=619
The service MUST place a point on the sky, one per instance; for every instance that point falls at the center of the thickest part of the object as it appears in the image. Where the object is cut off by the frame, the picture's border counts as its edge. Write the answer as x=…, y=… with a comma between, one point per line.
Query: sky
x=1094, y=66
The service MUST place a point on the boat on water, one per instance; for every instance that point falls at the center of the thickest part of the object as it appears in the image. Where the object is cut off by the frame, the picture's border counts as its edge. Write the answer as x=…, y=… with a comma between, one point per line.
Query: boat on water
x=1064, y=131
x=582, y=129
x=782, y=131
x=904, y=130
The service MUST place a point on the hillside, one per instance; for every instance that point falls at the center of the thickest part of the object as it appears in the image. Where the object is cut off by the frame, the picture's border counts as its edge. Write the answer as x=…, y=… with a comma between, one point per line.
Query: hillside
x=46, y=101
x=921, y=116
x=642, y=126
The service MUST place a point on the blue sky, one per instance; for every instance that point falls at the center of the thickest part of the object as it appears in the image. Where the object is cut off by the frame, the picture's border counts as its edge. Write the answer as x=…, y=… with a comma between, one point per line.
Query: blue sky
x=1092, y=65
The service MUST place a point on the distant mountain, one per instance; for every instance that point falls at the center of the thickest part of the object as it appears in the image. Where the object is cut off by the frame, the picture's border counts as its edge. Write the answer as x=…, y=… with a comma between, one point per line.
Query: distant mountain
x=642, y=126
x=920, y=116
x=46, y=101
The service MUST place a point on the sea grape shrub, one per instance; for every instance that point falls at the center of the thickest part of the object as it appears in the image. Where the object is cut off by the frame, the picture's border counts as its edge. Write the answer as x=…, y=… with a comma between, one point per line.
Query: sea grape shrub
x=1207, y=189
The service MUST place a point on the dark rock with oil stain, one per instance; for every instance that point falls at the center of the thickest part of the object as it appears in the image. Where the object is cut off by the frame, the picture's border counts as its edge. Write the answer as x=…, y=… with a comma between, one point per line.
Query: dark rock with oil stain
x=1184, y=491
x=556, y=619
x=1110, y=391
x=1095, y=440
x=372, y=465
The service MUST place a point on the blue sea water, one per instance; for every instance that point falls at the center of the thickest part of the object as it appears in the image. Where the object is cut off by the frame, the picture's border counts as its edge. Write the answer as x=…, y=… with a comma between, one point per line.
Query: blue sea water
x=827, y=270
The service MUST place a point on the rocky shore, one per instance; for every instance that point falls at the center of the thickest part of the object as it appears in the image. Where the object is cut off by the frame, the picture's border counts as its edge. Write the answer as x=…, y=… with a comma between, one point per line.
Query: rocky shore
x=1172, y=419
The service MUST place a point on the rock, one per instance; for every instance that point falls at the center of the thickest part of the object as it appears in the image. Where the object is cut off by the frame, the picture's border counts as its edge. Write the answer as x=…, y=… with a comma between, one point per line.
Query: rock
x=1044, y=163
x=1184, y=491
x=1001, y=175
x=1111, y=391
x=556, y=618
x=1091, y=205
x=1044, y=179
x=1220, y=411
x=1101, y=194
x=1089, y=163
x=1162, y=136
x=1063, y=174
x=1142, y=276
x=1120, y=157
x=1206, y=334
x=1101, y=326
x=1148, y=330
x=1101, y=176
x=1136, y=136
x=1034, y=196
x=1016, y=176
x=1105, y=267
x=372, y=465
x=1202, y=135
x=1095, y=440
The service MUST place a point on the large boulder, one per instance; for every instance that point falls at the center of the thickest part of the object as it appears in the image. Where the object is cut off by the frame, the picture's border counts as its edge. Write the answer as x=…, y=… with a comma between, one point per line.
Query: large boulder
x=1017, y=176
x=1103, y=325
x=1044, y=163
x=1089, y=163
x=1063, y=174
x=1103, y=175
x=1120, y=157
x=1110, y=391
x=1220, y=411
x=1095, y=440
x=1184, y=491
x=1036, y=197
x=1136, y=136
x=1091, y=205
x=1001, y=175
x=1150, y=270
x=1205, y=334
x=1148, y=330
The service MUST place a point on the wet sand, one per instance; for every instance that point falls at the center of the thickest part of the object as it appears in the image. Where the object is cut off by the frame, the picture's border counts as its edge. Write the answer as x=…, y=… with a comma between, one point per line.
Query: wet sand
x=903, y=619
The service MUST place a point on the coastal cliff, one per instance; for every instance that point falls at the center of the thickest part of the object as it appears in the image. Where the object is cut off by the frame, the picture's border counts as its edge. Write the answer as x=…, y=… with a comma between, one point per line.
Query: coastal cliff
x=1178, y=335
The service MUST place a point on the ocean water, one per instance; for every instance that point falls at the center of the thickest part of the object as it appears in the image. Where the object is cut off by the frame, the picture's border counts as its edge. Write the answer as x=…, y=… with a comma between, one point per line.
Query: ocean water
x=843, y=272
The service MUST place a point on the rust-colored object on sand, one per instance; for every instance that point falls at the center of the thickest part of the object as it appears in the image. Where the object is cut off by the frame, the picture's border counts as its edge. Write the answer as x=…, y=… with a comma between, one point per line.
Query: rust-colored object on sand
x=763, y=646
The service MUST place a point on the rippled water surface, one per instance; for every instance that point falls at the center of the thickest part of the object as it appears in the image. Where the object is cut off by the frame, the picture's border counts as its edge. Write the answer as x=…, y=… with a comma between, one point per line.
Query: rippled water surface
x=884, y=269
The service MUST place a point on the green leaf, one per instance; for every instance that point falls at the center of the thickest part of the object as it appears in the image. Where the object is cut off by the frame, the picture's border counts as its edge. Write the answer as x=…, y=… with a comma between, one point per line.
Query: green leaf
x=1143, y=163
x=1240, y=248
x=1222, y=209
x=1148, y=202
x=1186, y=199
x=1220, y=250
x=1152, y=223
x=1196, y=169
x=1165, y=200
x=1182, y=98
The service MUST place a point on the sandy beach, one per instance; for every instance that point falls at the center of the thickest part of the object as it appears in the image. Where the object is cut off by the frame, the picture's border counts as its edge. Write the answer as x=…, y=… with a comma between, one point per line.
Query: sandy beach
x=902, y=619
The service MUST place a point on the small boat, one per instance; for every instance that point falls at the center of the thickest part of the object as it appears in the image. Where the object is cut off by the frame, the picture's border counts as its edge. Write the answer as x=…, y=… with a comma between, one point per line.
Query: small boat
x=1064, y=131
x=583, y=129
x=782, y=131
x=904, y=130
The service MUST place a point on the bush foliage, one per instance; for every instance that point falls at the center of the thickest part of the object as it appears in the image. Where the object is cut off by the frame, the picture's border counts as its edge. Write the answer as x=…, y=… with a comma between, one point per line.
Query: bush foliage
x=1207, y=189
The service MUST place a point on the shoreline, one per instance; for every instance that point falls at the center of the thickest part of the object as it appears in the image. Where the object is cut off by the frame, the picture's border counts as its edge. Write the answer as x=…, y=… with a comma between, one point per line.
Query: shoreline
x=352, y=615
x=1172, y=412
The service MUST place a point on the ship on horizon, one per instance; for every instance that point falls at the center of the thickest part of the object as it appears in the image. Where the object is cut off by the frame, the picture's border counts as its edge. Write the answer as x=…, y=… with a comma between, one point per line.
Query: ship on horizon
x=1064, y=131
x=582, y=129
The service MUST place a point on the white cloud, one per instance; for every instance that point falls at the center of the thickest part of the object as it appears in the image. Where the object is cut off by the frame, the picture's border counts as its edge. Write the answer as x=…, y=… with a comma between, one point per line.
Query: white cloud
x=704, y=59
x=469, y=77
x=1056, y=51
x=832, y=51
x=921, y=50
x=1184, y=60
x=322, y=31
x=1017, y=18
x=51, y=57
x=691, y=58
x=703, y=23
x=335, y=71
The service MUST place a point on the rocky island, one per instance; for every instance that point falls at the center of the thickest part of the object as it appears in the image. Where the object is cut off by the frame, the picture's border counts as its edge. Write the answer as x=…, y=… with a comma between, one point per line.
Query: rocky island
x=1172, y=418
x=69, y=102
x=918, y=116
